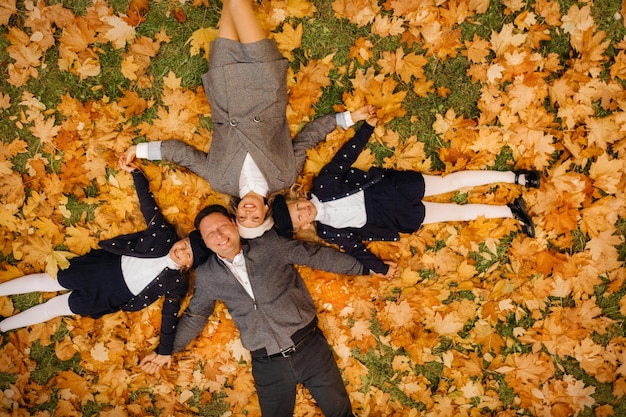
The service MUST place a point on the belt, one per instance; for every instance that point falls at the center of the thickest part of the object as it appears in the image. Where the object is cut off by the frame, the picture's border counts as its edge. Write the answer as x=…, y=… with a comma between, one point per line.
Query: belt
x=291, y=350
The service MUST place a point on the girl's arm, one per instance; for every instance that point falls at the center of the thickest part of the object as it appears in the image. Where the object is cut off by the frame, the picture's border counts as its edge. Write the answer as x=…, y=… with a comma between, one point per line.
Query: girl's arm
x=349, y=152
x=149, y=208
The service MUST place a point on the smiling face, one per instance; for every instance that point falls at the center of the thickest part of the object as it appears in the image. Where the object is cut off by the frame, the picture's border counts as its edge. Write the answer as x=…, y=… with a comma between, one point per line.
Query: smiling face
x=181, y=253
x=220, y=234
x=302, y=212
x=251, y=210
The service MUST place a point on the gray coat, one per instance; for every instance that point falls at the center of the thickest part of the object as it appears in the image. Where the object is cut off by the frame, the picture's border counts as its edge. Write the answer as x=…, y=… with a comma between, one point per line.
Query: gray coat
x=282, y=303
x=279, y=159
x=246, y=85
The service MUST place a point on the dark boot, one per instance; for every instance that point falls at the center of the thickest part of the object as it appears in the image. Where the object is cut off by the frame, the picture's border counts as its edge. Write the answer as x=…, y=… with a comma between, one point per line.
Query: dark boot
x=518, y=208
x=532, y=178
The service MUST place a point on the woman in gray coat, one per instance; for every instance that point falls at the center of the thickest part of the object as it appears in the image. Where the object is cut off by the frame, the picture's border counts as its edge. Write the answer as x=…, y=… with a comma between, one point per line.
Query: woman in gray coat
x=252, y=153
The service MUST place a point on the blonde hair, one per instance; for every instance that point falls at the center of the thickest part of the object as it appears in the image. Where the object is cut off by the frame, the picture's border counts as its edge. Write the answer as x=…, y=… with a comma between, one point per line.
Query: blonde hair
x=293, y=193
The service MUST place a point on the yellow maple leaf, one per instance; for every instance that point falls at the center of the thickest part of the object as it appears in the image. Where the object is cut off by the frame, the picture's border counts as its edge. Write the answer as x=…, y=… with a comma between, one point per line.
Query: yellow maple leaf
x=385, y=26
x=289, y=39
x=607, y=174
x=7, y=8
x=80, y=239
x=201, y=40
x=58, y=259
x=129, y=68
x=119, y=31
x=100, y=352
x=360, y=12
x=448, y=325
x=604, y=244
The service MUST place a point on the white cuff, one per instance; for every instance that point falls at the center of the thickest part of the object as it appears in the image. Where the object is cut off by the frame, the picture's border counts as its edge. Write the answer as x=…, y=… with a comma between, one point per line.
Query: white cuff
x=149, y=150
x=344, y=120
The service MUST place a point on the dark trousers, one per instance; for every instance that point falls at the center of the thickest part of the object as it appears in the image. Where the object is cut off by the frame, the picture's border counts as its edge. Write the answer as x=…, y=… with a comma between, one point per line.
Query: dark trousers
x=314, y=367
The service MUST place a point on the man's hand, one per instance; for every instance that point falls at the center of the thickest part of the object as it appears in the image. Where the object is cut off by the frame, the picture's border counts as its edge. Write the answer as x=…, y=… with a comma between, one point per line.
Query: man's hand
x=153, y=362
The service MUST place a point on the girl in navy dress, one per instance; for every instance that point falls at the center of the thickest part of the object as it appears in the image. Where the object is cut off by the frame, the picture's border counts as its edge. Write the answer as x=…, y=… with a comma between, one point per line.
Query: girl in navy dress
x=128, y=273
x=347, y=206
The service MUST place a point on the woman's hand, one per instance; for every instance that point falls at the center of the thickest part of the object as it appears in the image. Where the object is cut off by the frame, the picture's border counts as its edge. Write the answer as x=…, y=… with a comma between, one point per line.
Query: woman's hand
x=152, y=362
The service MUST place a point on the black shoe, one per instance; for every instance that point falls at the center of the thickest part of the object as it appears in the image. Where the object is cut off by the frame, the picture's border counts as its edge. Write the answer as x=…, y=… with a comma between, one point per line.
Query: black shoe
x=532, y=178
x=518, y=208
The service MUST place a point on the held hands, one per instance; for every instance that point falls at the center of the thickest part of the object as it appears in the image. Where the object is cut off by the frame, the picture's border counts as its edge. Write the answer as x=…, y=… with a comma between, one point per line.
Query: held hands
x=152, y=362
x=126, y=159
x=367, y=113
x=391, y=272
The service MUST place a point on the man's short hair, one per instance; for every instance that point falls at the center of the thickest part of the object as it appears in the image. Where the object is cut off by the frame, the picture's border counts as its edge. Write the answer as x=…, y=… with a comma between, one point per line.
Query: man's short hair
x=213, y=208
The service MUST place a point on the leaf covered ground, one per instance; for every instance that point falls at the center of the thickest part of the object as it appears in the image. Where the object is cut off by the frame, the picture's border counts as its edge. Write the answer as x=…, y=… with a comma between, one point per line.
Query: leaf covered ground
x=482, y=319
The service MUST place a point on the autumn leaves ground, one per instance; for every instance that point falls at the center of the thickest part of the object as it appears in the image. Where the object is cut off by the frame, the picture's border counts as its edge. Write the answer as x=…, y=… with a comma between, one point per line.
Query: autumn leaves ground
x=482, y=320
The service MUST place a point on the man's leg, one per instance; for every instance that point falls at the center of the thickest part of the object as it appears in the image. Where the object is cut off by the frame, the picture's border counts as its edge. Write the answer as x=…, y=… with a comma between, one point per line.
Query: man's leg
x=316, y=369
x=275, y=385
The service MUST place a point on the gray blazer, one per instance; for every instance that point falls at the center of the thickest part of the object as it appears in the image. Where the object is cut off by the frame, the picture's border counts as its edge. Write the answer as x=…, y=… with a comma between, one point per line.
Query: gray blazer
x=278, y=157
x=282, y=303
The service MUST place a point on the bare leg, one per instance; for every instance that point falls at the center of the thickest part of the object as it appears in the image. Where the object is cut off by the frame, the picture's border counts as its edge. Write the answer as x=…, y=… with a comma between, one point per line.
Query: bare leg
x=435, y=184
x=238, y=22
x=450, y=212
x=55, y=307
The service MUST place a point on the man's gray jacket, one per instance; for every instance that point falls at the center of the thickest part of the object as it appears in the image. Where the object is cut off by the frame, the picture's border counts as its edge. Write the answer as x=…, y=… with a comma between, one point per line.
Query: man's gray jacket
x=282, y=304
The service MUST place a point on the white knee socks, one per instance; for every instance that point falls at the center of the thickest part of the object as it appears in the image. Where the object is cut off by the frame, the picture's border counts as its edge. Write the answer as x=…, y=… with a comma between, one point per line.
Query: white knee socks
x=450, y=212
x=435, y=184
x=57, y=306
x=30, y=283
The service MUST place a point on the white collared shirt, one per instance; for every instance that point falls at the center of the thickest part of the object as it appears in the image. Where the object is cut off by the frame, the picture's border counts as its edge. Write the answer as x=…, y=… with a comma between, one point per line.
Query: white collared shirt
x=139, y=272
x=347, y=211
x=238, y=268
x=251, y=178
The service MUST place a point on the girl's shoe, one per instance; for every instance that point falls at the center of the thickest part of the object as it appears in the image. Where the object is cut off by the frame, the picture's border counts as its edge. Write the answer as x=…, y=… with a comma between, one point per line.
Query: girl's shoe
x=532, y=178
x=518, y=208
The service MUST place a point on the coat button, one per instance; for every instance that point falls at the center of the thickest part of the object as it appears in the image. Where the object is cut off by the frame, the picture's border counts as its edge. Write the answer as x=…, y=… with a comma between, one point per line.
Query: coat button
x=257, y=119
x=233, y=122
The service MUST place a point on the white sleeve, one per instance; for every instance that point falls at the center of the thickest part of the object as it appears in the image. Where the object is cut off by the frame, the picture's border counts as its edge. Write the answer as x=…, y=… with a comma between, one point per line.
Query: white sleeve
x=149, y=150
x=344, y=120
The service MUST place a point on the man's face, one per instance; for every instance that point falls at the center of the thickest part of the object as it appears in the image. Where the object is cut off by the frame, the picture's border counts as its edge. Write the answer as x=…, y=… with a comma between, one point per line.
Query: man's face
x=220, y=234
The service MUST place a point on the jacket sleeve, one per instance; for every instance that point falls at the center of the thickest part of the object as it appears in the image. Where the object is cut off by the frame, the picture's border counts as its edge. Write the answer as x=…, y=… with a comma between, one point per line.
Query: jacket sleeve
x=358, y=249
x=320, y=257
x=169, y=316
x=186, y=156
x=151, y=213
x=349, y=152
x=195, y=317
x=312, y=134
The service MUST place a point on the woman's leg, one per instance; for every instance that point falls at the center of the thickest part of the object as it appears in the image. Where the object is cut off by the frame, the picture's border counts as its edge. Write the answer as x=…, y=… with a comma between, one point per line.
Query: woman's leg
x=435, y=184
x=450, y=212
x=30, y=283
x=55, y=307
x=238, y=22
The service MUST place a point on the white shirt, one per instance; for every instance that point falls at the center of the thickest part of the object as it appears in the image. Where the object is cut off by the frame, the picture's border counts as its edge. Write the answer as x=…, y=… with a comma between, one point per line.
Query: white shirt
x=139, y=272
x=251, y=178
x=238, y=267
x=344, y=212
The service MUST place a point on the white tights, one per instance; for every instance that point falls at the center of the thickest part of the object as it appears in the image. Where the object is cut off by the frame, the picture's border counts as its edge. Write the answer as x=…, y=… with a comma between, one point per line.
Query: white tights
x=446, y=212
x=57, y=306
